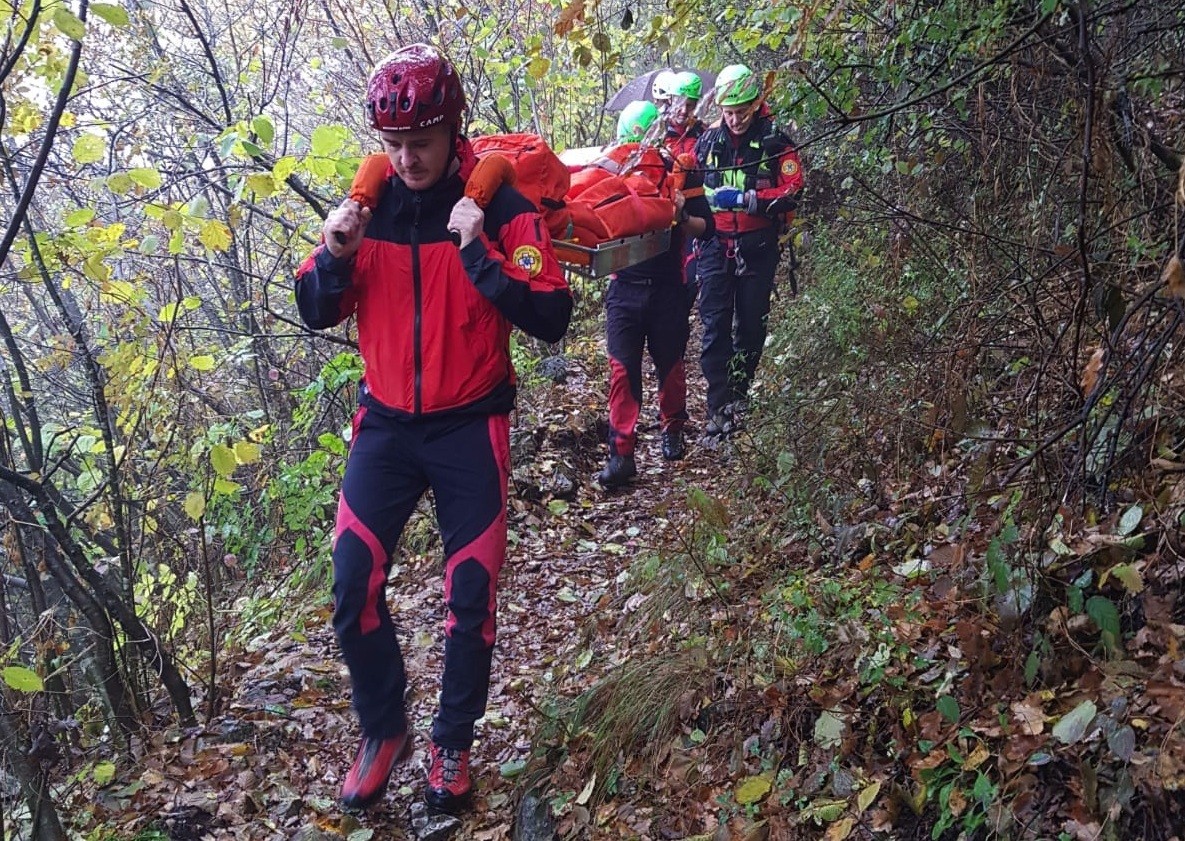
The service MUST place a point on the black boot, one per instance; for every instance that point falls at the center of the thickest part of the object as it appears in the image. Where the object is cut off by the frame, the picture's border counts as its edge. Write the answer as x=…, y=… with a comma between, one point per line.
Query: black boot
x=672, y=444
x=618, y=471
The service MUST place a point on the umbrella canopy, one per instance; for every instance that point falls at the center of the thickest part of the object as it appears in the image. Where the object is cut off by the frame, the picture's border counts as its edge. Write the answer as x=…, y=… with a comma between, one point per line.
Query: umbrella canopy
x=639, y=87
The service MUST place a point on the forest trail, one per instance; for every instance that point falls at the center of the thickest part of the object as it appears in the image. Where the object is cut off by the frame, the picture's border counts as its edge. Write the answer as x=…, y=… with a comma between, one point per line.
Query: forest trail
x=271, y=766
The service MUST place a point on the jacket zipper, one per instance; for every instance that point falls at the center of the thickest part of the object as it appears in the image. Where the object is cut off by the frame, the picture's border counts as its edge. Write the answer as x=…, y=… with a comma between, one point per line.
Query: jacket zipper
x=418, y=296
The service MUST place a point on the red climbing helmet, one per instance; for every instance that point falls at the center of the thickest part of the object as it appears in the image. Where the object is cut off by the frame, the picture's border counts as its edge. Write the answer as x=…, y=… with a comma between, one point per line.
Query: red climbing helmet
x=414, y=87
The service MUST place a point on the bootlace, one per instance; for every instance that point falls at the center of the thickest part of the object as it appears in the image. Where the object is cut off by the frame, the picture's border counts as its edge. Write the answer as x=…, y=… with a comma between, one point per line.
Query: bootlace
x=450, y=764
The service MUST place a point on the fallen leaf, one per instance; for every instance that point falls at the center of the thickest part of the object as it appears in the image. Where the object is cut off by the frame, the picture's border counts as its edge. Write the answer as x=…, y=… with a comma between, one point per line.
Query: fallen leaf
x=1030, y=715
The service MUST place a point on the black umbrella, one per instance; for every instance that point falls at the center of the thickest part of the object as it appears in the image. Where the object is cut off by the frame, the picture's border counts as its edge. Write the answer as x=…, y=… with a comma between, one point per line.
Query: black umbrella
x=639, y=87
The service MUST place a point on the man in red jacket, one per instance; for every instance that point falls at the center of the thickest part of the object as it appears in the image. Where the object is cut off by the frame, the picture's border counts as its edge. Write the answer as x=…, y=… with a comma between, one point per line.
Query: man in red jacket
x=434, y=321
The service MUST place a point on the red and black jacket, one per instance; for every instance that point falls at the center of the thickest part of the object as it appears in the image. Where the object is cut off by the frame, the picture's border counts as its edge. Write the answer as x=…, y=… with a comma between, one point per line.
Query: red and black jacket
x=434, y=321
x=762, y=159
x=679, y=141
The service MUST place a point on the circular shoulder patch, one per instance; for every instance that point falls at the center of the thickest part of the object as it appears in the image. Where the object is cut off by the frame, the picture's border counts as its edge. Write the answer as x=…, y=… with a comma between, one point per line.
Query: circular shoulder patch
x=789, y=167
x=528, y=258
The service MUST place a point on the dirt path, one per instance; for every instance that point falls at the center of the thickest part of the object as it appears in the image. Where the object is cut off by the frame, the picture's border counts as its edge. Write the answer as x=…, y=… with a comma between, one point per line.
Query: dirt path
x=271, y=768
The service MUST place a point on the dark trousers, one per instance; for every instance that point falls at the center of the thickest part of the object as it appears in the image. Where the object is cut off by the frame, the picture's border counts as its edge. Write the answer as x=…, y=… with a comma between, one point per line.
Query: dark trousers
x=736, y=283
x=645, y=316
x=465, y=460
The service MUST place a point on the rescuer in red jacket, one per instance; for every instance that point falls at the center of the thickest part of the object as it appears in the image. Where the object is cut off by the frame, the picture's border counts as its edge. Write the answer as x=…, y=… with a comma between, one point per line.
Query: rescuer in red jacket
x=751, y=173
x=434, y=321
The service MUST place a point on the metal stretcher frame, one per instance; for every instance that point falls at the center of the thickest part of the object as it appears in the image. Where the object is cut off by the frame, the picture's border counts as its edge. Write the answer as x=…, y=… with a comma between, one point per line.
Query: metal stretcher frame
x=605, y=258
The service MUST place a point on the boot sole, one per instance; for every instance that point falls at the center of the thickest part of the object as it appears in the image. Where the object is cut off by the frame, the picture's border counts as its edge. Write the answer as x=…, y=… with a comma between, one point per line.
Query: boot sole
x=450, y=804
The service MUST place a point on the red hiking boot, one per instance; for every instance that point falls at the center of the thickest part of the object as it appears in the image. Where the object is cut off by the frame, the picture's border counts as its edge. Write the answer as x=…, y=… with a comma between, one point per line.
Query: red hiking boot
x=376, y=759
x=449, y=786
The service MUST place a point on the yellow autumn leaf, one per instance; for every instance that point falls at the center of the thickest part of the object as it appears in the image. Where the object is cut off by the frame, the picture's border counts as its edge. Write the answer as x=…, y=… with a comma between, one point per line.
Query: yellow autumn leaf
x=215, y=235
x=226, y=487
x=246, y=452
x=22, y=679
x=195, y=505
x=867, y=796
x=223, y=459
x=980, y=755
x=202, y=362
x=839, y=830
x=89, y=148
x=753, y=789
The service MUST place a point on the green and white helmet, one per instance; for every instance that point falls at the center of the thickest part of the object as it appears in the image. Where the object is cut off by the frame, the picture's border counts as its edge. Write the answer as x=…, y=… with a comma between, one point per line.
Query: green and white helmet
x=688, y=84
x=736, y=85
x=663, y=86
x=635, y=120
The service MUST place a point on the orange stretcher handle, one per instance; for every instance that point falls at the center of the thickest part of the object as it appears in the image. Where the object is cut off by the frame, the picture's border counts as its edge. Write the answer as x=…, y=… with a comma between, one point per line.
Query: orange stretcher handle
x=491, y=172
x=369, y=182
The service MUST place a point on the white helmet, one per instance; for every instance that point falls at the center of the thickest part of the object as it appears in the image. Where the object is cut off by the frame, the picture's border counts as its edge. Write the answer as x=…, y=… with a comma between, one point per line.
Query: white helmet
x=663, y=87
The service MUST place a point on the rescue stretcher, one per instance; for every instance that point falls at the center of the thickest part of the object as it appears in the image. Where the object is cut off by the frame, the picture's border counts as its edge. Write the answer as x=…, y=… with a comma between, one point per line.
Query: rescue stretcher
x=605, y=258
x=598, y=259
x=612, y=255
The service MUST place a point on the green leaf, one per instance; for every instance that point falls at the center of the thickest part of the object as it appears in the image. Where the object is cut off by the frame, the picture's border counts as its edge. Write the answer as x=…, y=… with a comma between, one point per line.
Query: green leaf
x=1129, y=521
x=752, y=789
x=22, y=679
x=1072, y=726
x=1032, y=664
x=223, y=459
x=829, y=730
x=78, y=218
x=1129, y=577
x=263, y=129
x=68, y=23
x=557, y=507
x=1105, y=615
x=114, y=15
x=261, y=184
x=949, y=708
x=146, y=177
x=119, y=183
x=195, y=505
x=326, y=140
x=104, y=772
x=150, y=244
x=284, y=168
x=89, y=148
x=203, y=362
x=512, y=769
x=168, y=313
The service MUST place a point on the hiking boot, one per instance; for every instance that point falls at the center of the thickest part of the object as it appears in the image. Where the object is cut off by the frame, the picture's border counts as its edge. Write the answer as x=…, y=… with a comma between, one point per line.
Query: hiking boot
x=376, y=759
x=672, y=444
x=719, y=425
x=449, y=786
x=618, y=471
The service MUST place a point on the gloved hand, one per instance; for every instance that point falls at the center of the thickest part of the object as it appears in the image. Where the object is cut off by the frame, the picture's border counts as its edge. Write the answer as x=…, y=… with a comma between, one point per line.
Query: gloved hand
x=729, y=198
x=782, y=204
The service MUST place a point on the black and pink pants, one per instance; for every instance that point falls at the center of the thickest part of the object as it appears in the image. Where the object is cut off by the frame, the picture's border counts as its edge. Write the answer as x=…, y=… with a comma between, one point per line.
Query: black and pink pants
x=642, y=315
x=465, y=460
